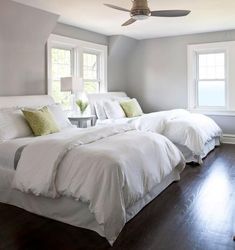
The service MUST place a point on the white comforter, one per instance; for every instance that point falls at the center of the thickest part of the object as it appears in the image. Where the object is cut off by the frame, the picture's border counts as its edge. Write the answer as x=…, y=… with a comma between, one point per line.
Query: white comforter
x=178, y=125
x=109, y=168
x=181, y=127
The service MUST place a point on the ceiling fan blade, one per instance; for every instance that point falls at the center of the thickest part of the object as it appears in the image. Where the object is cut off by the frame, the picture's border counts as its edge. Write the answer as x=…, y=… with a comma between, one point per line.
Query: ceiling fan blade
x=116, y=7
x=130, y=21
x=170, y=13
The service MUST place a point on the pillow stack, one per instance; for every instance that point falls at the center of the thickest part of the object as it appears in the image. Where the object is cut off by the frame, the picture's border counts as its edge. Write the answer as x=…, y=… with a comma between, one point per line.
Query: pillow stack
x=118, y=109
x=47, y=120
x=17, y=123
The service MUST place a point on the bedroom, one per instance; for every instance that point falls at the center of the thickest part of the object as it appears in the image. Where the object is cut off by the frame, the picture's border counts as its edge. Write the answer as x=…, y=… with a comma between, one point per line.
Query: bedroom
x=151, y=60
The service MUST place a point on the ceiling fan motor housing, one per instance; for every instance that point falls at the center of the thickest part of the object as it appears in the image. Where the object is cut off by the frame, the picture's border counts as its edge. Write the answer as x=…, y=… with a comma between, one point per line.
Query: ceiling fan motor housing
x=140, y=9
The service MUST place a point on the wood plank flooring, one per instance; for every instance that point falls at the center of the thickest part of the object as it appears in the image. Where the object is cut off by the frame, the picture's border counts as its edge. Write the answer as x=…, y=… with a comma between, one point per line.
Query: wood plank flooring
x=196, y=213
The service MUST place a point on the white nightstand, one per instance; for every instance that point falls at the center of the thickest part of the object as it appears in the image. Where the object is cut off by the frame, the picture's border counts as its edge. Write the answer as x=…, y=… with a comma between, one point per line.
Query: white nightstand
x=82, y=120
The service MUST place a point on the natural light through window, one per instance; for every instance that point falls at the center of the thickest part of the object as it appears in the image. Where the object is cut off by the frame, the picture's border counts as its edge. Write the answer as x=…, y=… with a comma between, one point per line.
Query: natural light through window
x=211, y=81
x=91, y=72
x=68, y=57
x=61, y=63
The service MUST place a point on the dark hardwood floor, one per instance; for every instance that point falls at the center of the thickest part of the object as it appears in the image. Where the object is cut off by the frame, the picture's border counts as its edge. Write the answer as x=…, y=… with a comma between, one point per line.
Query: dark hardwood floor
x=196, y=213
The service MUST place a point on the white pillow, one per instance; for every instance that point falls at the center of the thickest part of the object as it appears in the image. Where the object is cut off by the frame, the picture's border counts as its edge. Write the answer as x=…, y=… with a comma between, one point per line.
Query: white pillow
x=60, y=116
x=13, y=124
x=100, y=112
x=113, y=110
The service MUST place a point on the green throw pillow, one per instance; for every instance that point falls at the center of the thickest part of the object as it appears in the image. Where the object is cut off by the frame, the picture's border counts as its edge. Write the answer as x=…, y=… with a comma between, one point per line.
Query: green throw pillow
x=41, y=121
x=131, y=108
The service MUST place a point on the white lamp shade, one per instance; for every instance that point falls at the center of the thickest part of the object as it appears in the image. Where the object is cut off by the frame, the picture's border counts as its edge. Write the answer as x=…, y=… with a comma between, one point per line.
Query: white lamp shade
x=72, y=83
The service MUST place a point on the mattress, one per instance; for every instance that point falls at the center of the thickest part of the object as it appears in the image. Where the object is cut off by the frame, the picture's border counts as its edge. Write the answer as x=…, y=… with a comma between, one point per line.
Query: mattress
x=67, y=210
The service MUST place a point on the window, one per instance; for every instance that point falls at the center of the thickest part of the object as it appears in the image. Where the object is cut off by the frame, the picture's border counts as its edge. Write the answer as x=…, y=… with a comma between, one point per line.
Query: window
x=211, y=78
x=61, y=64
x=91, y=73
x=71, y=57
x=211, y=82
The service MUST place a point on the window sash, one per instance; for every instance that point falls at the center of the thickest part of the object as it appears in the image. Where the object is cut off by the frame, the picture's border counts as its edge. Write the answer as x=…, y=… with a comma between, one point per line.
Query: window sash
x=210, y=106
x=98, y=73
x=198, y=79
x=63, y=97
x=71, y=58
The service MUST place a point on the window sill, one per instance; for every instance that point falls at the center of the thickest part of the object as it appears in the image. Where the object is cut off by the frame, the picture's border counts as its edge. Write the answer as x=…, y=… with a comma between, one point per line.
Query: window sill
x=214, y=112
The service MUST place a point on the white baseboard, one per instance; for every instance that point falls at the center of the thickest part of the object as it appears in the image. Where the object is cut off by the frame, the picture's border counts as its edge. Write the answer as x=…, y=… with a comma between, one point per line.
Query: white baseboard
x=228, y=139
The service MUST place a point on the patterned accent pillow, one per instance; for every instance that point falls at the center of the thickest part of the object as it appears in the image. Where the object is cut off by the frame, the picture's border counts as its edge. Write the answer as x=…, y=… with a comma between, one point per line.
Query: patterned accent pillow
x=41, y=121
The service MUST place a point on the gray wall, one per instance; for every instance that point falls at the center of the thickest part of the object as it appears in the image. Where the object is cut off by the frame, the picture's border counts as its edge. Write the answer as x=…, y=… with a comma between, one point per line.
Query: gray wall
x=158, y=72
x=23, y=35
x=81, y=34
x=120, y=49
x=227, y=123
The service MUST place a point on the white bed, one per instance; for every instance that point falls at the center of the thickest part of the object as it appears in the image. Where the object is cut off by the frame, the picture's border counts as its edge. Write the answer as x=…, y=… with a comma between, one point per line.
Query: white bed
x=194, y=134
x=47, y=185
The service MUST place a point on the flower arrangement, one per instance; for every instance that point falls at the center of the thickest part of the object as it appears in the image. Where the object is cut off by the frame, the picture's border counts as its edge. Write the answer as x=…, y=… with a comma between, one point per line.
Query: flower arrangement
x=82, y=105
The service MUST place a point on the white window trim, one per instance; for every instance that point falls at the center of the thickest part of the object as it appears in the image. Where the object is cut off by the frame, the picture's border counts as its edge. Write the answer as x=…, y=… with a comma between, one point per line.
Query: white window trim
x=192, y=74
x=78, y=46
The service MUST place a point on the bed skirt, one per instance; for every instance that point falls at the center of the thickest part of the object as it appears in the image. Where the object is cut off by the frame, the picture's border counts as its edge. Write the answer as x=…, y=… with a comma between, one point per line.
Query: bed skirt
x=191, y=157
x=67, y=210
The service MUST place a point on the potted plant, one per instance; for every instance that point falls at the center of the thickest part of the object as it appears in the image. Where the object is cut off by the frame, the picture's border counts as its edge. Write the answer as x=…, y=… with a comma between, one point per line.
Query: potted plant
x=82, y=104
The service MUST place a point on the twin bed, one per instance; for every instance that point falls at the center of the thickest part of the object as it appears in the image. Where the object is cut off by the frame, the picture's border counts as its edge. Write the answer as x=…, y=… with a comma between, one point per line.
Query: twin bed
x=96, y=178
x=78, y=176
x=194, y=134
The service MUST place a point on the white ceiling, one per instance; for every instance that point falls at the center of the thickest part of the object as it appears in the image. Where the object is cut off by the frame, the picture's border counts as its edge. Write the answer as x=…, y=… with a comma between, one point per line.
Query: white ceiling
x=207, y=15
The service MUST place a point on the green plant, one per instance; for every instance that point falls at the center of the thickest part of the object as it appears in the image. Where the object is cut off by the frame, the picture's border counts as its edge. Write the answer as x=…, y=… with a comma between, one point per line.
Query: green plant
x=82, y=105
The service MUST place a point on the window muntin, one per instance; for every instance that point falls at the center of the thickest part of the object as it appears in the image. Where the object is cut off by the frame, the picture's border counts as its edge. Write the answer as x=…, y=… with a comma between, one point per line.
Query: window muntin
x=211, y=80
x=61, y=66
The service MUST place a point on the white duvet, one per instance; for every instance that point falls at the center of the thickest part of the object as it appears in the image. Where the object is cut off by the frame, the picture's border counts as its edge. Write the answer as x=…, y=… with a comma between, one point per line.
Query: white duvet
x=181, y=127
x=109, y=168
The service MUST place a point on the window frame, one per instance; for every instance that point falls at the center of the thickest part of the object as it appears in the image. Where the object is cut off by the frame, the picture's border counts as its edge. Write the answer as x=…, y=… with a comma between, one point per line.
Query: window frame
x=77, y=47
x=193, y=77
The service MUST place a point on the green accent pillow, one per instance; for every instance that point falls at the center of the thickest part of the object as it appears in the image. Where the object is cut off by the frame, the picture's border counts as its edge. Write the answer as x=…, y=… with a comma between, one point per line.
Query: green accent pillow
x=131, y=108
x=41, y=121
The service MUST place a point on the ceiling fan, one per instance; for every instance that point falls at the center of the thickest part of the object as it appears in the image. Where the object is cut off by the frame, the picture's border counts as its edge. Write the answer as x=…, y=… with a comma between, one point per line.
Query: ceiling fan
x=141, y=11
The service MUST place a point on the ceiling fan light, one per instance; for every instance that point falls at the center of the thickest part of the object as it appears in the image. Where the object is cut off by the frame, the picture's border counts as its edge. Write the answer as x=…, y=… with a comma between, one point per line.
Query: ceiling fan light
x=140, y=17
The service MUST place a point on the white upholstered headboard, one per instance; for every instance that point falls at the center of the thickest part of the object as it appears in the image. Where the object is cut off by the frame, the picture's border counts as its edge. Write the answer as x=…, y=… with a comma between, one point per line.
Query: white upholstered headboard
x=25, y=101
x=103, y=96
